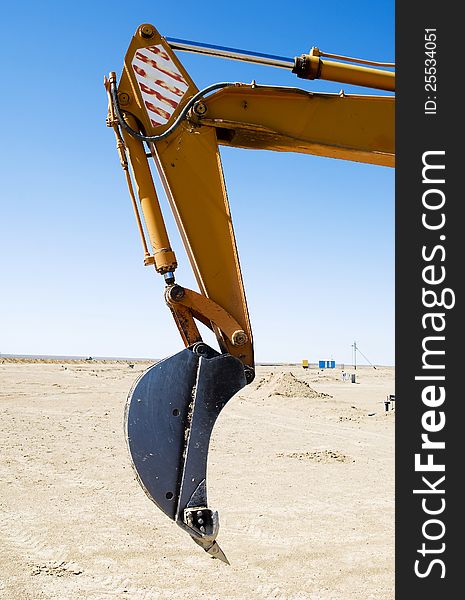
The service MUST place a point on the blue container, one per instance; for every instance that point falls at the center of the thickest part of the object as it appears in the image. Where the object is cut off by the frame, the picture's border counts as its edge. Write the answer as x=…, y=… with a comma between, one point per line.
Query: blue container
x=322, y=364
x=333, y=364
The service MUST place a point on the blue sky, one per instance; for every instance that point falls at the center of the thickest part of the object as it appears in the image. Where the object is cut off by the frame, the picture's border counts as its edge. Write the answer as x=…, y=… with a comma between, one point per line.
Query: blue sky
x=71, y=269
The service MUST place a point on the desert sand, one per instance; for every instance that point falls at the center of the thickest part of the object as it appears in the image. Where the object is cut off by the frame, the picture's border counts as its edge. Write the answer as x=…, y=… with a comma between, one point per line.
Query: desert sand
x=301, y=470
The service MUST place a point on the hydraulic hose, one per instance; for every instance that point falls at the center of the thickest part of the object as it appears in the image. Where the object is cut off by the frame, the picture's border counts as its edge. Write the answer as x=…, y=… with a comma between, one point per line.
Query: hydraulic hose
x=155, y=138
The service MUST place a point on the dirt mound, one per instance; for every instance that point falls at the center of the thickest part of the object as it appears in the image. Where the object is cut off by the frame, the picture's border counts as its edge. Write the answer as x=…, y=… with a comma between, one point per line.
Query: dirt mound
x=264, y=381
x=288, y=385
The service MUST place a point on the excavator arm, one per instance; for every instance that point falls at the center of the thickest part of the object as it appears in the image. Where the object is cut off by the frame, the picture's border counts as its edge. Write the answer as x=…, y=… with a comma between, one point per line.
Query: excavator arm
x=158, y=113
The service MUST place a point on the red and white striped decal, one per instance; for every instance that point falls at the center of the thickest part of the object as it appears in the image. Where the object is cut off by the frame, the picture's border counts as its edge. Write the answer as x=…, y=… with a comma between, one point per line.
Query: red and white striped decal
x=161, y=84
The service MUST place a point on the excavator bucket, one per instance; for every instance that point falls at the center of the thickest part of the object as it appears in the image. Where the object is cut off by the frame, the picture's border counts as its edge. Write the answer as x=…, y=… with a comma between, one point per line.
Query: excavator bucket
x=170, y=414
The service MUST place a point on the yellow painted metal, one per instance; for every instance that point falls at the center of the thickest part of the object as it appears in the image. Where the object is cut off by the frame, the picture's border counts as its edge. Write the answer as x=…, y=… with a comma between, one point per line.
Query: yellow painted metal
x=317, y=68
x=213, y=315
x=163, y=255
x=190, y=168
x=121, y=149
x=148, y=258
x=129, y=90
x=305, y=363
x=186, y=325
x=351, y=127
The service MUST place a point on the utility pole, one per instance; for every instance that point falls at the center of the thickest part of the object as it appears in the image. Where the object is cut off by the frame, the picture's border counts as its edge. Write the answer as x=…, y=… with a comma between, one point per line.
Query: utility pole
x=354, y=346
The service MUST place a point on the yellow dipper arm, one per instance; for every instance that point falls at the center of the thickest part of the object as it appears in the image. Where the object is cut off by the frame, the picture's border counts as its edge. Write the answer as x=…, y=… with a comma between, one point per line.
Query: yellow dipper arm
x=183, y=129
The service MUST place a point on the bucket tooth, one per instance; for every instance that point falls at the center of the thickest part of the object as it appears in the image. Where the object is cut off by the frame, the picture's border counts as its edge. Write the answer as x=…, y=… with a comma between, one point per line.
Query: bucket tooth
x=216, y=552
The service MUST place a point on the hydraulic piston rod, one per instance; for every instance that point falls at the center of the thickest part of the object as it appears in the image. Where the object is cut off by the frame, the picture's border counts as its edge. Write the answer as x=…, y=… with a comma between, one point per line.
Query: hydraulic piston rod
x=231, y=53
x=307, y=66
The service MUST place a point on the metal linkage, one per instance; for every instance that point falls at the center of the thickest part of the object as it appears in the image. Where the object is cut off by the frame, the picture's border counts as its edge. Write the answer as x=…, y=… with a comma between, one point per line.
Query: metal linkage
x=232, y=53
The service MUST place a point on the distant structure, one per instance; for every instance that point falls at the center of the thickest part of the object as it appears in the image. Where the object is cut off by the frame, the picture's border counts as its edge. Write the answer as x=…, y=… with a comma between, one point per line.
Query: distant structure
x=390, y=400
x=304, y=363
x=327, y=364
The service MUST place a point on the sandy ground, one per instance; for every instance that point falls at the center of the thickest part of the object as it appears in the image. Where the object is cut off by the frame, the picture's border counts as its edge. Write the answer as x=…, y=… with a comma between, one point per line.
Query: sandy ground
x=304, y=485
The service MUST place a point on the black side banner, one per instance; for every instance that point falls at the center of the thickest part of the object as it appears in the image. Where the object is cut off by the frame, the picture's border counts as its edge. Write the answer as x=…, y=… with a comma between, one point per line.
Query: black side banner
x=430, y=434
